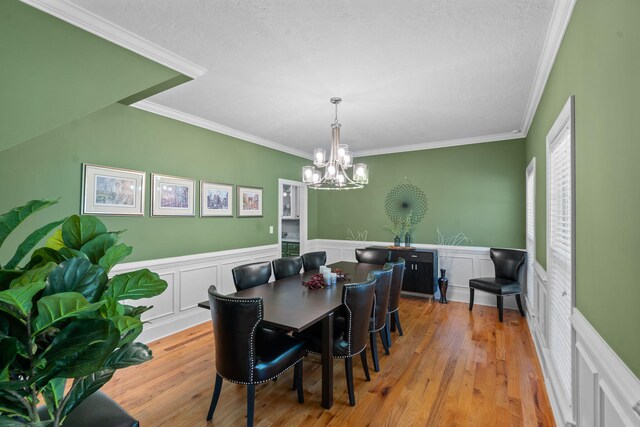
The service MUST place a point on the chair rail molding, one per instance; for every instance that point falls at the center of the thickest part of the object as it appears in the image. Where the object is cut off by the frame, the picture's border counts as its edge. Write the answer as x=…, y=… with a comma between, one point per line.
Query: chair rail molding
x=188, y=279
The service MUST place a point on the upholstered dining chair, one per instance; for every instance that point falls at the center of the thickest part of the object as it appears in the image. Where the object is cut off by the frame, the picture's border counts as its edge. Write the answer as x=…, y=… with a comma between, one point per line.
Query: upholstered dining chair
x=246, y=354
x=510, y=274
x=372, y=256
x=393, y=316
x=349, y=330
x=251, y=275
x=312, y=260
x=286, y=267
x=379, y=316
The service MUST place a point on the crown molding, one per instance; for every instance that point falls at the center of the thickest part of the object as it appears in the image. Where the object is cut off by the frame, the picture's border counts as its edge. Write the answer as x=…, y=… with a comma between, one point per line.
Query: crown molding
x=102, y=28
x=440, y=144
x=161, y=110
x=560, y=18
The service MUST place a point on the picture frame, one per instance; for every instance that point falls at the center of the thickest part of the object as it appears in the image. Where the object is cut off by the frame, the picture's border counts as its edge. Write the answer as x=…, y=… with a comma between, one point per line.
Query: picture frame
x=112, y=191
x=249, y=201
x=172, y=195
x=216, y=199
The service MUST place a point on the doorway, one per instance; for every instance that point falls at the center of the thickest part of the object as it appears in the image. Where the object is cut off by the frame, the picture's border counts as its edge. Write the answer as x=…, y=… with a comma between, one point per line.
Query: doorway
x=292, y=214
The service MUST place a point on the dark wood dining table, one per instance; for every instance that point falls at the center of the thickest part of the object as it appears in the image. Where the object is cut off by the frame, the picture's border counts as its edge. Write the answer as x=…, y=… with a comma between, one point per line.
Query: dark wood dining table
x=291, y=306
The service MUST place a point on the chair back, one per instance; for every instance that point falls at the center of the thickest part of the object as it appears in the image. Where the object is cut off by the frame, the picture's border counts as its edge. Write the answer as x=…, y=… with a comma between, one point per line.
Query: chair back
x=381, y=302
x=251, y=275
x=313, y=260
x=396, y=283
x=286, y=267
x=509, y=263
x=357, y=298
x=372, y=256
x=234, y=328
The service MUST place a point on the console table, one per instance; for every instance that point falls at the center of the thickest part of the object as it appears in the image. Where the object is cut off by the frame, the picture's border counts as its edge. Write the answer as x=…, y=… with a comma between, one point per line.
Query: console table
x=421, y=272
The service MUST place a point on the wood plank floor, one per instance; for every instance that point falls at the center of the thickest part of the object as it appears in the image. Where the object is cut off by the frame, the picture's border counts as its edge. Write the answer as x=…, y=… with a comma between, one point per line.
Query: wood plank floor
x=451, y=368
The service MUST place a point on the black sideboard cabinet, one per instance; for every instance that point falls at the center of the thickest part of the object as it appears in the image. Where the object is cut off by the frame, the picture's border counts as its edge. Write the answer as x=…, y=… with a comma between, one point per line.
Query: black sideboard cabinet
x=420, y=274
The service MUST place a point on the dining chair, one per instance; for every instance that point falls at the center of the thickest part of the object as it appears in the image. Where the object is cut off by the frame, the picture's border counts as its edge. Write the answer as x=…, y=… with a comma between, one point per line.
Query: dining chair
x=246, y=354
x=379, y=316
x=393, y=316
x=251, y=275
x=312, y=260
x=349, y=330
x=510, y=273
x=286, y=267
x=372, y=256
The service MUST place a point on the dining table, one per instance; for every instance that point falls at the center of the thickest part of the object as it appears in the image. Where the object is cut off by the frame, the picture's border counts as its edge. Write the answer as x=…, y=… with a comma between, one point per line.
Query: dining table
x=291, y=306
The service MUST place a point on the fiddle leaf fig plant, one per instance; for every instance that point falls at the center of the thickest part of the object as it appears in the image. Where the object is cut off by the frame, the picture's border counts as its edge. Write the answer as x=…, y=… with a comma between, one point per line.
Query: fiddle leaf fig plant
x=65, y=325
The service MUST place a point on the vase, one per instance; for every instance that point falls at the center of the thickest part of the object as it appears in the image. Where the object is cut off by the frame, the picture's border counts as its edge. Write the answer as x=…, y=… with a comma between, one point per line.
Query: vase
x=407, y=240
x=396, y=241
x=443, y=284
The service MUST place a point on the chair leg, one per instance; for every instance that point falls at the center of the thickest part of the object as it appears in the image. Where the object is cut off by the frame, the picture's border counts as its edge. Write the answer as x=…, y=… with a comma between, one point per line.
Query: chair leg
x=298, y=377
x=216, y=395
x=374, y=351
x=393, y=321
x=348, y=366
x=251, y=400
x=471, y=293
x=387, y=330
x=396, y=316
x=499, y=308
x=383, y=338
x=365, y=365
x=519, y=301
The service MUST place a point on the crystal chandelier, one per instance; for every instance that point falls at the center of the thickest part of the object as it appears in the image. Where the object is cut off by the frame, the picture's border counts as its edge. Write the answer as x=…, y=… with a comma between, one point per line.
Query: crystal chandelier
x=340, y=160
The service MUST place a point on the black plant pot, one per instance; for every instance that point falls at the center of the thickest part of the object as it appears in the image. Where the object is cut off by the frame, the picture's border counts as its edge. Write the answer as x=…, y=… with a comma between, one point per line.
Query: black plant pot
x=396, y=241
x=443, y=284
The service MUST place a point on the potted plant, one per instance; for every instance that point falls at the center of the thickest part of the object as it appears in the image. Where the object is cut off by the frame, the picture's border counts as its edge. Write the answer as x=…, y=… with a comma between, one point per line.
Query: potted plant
x=445, y=244
x=63, y=319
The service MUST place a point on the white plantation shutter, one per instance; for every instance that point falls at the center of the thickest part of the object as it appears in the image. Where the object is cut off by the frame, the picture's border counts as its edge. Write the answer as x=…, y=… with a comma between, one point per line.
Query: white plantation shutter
x=560, y=246
x=531, y=235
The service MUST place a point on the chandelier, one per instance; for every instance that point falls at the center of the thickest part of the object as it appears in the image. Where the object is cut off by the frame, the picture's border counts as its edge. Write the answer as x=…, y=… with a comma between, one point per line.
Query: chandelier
x=340, y=160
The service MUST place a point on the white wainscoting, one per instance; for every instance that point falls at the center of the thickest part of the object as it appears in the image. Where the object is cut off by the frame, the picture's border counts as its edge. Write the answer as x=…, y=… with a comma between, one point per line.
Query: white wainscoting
x=468, y=262
x=605, y=392
x=188, y=278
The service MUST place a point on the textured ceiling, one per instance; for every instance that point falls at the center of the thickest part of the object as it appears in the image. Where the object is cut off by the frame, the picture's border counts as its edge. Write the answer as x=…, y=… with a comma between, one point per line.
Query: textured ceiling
x=410, y=72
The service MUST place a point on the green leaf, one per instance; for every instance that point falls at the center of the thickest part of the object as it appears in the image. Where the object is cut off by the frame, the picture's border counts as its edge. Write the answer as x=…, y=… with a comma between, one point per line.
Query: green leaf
x=11, y=422
x=85, y=387
x=55, y=242
x=30, y=242
x=53, y=393
x=112, y=309
x=20, y=298
x=34, y=275
x=129, y=355
x=129, y=328
x=78, y=230
x=8, y=351
x=54, y=308
x=42, y=256
x=93, y=356
x=135, y=285
x=136, y=311
x=10, y=220
x=6, y=276
x=77, y=275
x=96, y=248
x=11, y=404
x=114, y=255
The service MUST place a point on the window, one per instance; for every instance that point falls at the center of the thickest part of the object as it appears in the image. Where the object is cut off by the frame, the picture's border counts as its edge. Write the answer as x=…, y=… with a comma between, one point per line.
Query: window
x=560, y=243
x=531, y=237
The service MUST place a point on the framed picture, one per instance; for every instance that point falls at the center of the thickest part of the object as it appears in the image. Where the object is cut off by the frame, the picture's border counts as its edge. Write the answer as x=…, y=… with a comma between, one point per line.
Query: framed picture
x=216, y=199
x=249, y=201
x=112, y=191
x=172, y=196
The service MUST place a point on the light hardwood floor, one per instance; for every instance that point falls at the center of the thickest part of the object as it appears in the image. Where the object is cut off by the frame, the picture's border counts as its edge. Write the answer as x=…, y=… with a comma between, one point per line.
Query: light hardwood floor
x=451, y=368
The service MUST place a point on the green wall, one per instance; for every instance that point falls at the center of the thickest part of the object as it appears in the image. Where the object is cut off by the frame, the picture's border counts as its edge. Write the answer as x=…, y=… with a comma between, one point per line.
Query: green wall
x=476, y=189
x=52, y=72
x=599, y=63
x=49, y=166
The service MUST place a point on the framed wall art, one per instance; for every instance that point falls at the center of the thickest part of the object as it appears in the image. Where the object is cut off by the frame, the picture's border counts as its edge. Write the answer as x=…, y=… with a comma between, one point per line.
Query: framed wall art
x=172, y=196
x=112, y=191
x=249, y=201
x=216, y=199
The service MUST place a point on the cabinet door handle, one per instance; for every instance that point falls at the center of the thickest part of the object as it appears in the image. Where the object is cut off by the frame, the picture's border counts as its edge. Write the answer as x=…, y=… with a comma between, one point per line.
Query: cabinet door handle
x=414, y=256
